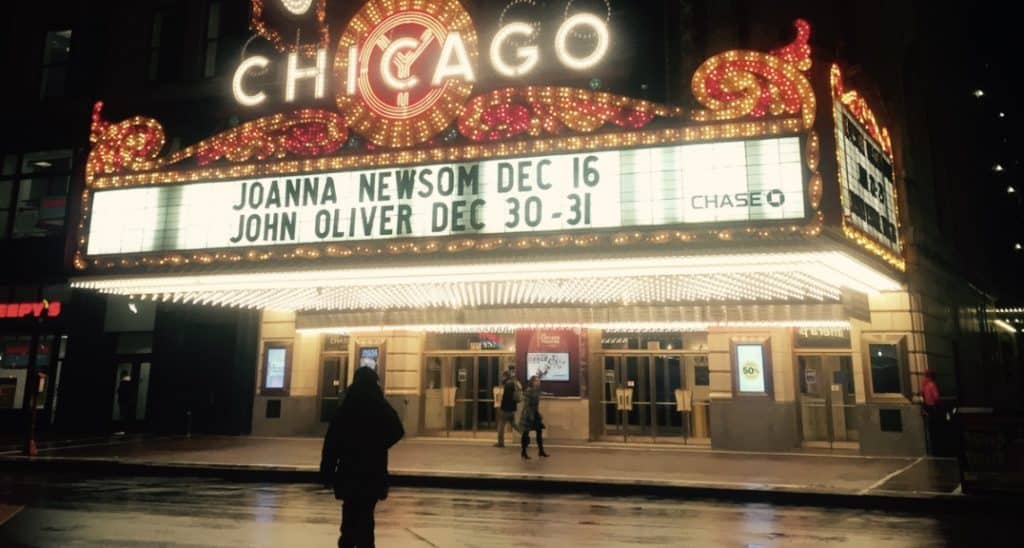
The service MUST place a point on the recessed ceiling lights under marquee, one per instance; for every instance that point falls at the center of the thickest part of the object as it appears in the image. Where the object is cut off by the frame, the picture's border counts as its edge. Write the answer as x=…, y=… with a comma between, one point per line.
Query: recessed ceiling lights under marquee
x=780, y=277
x=631, y=327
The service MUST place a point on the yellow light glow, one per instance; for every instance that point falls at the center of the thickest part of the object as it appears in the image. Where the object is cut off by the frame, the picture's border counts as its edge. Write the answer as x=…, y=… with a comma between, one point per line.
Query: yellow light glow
x=454, y=61
x=243, y=98
x=318, y=72
x=780, y=277
x=599, y=29
x=624, y=327
x=528, y=56
x=1005, y=326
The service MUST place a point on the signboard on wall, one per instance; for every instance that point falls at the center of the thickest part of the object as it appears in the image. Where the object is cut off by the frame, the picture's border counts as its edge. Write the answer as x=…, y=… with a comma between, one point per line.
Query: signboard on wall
x=692, y=184
x=553, y=352
x=39, y=309
x=750, y=372
x=822, y=337
x=867, y=180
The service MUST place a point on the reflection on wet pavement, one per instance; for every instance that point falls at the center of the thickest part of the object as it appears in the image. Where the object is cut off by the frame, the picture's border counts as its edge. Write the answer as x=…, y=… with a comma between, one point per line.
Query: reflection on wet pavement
x=70, y=510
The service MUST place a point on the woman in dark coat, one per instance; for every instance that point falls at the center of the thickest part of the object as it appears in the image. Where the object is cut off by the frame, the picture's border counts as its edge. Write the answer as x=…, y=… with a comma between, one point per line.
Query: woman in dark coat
x=355, y=456
x=531, y=419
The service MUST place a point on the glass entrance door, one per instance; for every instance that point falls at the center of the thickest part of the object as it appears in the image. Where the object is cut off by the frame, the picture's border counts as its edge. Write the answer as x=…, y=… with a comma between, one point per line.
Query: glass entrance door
x=655, y=381
x=458, y=391
x=827, y=401
x=131, y=392
x=333, y=375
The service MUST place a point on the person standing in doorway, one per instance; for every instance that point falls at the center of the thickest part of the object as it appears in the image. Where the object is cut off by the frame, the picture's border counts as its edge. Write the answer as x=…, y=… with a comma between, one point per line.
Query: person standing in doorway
x=511, y=395
x=354, y=461
x=531, y=418
x=930, y=408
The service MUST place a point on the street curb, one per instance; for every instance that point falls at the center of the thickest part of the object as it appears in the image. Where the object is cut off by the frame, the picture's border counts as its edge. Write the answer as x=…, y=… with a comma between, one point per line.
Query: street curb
x=903, y=502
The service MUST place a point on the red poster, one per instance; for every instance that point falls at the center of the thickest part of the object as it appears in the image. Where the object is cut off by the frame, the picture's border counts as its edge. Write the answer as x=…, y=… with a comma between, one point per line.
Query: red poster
x=552, y=354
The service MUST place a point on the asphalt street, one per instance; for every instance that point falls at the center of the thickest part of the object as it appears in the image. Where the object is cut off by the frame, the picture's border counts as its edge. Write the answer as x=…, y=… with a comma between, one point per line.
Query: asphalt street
x=72, y=510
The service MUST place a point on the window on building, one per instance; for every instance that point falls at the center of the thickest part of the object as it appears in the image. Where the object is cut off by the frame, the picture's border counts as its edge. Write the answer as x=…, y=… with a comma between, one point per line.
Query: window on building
x=42, y=194
x=886, y=376
x=56, y=54
x=7, y=172
x=33, y=193
x=166, y=38
x=14, y=351
x=213, y=34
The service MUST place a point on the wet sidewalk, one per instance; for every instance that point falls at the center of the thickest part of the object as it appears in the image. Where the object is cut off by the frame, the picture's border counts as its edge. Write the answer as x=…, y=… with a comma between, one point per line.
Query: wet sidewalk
x=572, y=467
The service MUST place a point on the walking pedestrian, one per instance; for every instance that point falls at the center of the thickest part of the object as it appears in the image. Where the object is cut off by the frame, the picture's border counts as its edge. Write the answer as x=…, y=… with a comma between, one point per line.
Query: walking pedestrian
x=511, y=395
x=531, y=418
x=354, y=461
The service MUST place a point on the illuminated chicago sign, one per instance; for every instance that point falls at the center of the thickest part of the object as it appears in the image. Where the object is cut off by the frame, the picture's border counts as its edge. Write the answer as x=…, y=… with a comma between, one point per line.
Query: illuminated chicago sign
x=413, y=64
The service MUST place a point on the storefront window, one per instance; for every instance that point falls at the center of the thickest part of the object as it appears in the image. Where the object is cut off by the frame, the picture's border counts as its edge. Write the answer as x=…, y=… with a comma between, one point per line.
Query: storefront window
x=33, y=193
x=14, y=351
x=44, y=352
x=885, y=369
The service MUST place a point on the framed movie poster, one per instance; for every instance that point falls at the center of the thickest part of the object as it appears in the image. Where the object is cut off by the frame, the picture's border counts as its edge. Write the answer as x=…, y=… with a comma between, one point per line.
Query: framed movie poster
x=275, y=378
x=372, y=356
x=752, y=368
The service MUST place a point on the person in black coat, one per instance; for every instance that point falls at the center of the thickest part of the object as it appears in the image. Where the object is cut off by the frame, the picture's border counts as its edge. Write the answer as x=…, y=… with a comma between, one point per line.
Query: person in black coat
x=354, y=461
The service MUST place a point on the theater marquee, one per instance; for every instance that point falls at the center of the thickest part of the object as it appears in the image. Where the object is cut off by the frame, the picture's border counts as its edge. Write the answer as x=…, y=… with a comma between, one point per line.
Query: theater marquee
x=752, y=180
x=422, y=157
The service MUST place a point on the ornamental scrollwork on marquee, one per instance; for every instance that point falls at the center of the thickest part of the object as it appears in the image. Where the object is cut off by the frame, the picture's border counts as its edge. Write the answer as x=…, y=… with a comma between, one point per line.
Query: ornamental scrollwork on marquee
x=859, y=107
x=740, y=83
x=514, y=112
x=135, y=144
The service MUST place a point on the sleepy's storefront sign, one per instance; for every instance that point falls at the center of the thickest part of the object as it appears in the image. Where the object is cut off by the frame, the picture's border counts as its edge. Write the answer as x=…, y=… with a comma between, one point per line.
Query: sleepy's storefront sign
x=39, y=309
x=420, y=155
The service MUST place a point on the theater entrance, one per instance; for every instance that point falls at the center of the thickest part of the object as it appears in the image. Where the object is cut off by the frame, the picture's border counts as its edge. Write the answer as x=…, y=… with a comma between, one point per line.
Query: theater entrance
x=458, y=388
x=655, y=396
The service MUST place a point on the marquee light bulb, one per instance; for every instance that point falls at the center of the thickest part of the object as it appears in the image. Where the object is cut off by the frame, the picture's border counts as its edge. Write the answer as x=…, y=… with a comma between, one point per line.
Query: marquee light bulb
x=297, y=7
x=528, y=56
x=243, y=98
x=600, y=31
